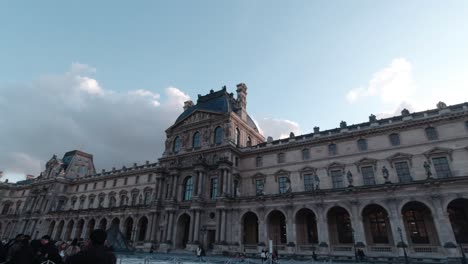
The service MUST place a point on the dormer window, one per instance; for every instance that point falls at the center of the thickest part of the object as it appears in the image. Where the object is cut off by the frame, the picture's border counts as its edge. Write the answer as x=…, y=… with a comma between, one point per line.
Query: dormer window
x=218, y=136
x=177, y=145
x=431, y=133
x=196, y=140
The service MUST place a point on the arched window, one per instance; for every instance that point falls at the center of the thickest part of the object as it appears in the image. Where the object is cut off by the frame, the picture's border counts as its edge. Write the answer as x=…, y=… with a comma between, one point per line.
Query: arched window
x=431, y=133
x=249, y=141
x=237, y=139
x=177, y=145
x=188, y=188
x=196, y=140
x=218, y=135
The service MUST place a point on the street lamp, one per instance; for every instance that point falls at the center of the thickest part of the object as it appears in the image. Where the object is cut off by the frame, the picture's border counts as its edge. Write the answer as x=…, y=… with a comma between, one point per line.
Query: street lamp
x=403, y=245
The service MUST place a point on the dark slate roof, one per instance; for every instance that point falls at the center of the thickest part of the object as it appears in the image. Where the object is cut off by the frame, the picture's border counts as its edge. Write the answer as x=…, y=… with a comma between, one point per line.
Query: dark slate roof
x=217, y=102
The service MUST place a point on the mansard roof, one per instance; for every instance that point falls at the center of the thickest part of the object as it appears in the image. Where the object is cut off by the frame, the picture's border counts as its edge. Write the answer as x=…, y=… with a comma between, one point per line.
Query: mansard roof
x=220, y=102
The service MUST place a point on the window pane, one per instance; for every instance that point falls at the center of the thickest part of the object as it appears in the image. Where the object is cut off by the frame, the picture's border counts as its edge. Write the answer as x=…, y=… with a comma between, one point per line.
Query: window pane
x=218, y=135
x=281, y=157
x=403, y=172
x=395, y=139
x=305, y=154
x=188, y=189
x=368, y=175
x=284, y=184
x=431, y=133
x=337, y=178
x=332, y=149
x=362, y=144
x=177, y=144
x=258, y=161
x=214, y=188
x=441, y=167
x=308, y=182
x=196, y=140
x=259, y=187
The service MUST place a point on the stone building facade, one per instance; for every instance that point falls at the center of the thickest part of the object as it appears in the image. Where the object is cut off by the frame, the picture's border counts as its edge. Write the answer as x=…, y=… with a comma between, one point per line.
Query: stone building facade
x=382, y=186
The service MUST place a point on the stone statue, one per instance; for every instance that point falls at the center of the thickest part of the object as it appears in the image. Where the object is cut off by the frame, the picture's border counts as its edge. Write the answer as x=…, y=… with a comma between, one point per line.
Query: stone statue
x=349, y=176
x=427, y=167
x=291, y=135
x=317, y=182
x=385, y=174
x=343, y=124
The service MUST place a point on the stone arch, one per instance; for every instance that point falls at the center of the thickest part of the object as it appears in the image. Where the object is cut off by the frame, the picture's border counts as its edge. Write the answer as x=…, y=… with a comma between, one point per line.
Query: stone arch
x=339, y=225
x=90, y=227
x=128, y=228
x=103, y=224
x=419, y=224
x=51, y=228
x=58, y=234
x=142, y=228
x=306, y=227
x=79, y=228
x=276, y=226
x=421, y=200
x=344, y=205
x=182, y=231
x=68, y=232
x=249, y=228
x=377, y=227
x=457, y=211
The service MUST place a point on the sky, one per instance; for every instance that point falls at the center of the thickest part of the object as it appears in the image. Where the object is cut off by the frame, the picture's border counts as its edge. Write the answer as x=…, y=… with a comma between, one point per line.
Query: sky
x=108, y=77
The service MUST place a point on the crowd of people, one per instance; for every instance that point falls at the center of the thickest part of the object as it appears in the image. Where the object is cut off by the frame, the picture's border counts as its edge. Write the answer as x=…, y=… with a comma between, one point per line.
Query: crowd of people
x=23, y=250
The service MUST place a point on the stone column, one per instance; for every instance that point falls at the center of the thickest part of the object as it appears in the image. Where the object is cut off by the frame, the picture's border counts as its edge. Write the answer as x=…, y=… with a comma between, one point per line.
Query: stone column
x=223, y=226
x=218, y=226
x=192, y=226
x=396, y=223
x=174, y=187
x=290, y=226
x=356, y=223
x=442, y=222
x=262, y=232
x=195, y=183
x=160, y=188
x=170, y=227
x=200, y=183
x=197, y=226
x=228, y=182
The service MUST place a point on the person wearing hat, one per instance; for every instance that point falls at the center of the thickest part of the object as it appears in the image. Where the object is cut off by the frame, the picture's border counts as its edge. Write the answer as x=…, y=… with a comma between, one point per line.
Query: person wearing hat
x=48, y=251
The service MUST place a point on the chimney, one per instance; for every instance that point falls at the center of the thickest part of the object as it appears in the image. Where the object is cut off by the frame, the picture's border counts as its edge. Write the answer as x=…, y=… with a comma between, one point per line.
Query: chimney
x=316, y=130
x=188, y=104
x=242, y=100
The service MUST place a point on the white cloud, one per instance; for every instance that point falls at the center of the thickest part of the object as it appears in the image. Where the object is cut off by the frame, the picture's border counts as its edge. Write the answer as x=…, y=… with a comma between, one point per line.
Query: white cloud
x=278, y=128
x=58, y=113
x=392, y=84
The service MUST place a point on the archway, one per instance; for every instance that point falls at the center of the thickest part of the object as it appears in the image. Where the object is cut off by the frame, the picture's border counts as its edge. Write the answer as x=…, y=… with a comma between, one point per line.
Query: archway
x=376, y=225
x=419, y=224
x=79, y=228
x=277, y=227
x=128, y=228
x=103, y=224
x=142, y=228
x=51, y=228
x=183, y=230
x=115, y=222
x=458, y=214
x=58, y=234
x=339, y=226
x=68, y=233
x=306, y=227
x=250, y=229
x=90, y=227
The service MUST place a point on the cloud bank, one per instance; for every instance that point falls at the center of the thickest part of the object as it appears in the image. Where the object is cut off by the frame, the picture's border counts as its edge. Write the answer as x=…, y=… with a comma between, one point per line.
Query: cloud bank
x=58, y=113
x=278, y=128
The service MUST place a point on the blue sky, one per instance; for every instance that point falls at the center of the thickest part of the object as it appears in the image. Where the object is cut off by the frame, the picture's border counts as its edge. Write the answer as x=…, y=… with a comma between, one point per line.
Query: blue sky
x=306, y=63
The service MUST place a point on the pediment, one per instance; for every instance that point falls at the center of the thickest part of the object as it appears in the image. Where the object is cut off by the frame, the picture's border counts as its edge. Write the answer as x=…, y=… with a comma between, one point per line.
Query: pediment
x=258, y=176
x=308, y=169
x=280, y=172
x=336, y=165
x=400, y=155
x=438, y=151
x=365, y=161
x=195, y=117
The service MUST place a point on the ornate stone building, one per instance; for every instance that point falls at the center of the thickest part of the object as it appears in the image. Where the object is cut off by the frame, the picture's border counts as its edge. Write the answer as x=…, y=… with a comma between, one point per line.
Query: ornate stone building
x=377, y=185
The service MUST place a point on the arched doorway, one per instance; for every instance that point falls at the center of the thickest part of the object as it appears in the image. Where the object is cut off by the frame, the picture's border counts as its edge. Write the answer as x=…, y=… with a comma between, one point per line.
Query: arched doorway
x=58, y=234
x=339, y=226
x=90, y=227
x=79, y=228
x=103, y=224
x=51, y=228
x=250, y=229
x=68, y=233
x=376, y=225
x=277, y=228
x=183, y=230
x=306, y=227
x=128, y=228
x=458, y=214
x=142, y=228
x=419, y=224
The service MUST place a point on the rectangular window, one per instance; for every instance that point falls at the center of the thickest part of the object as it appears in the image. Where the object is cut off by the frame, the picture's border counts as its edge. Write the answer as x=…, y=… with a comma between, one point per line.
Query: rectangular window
x=167, y=190
x=284, y=184
x=137, y=179
x=125, y=181
x=115, y=183
x=104, y=184
x=337, y=178
x=368, y=175
x=150, y=177
x=281, y=158
x=259, y=162
x=94, y=186
x=259, y=187
x=308, y=182
x=403, y=171
x=86, y=187
x=77, y=188
x=332, y=150
x=305, y=154
x=431, y=133
x=442, y=167
x=362, y=144
x=394, y=139
x=214, y=188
